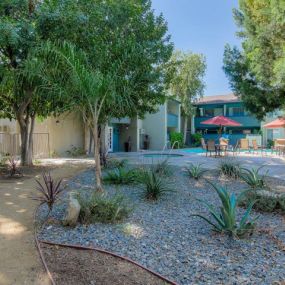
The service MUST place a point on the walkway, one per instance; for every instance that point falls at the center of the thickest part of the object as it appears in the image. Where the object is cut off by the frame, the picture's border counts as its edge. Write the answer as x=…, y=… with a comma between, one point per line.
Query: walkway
x=19, y=260
x=275, y=165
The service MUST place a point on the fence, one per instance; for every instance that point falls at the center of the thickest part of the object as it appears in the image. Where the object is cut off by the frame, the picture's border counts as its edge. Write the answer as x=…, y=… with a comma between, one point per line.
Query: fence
x=10, y=144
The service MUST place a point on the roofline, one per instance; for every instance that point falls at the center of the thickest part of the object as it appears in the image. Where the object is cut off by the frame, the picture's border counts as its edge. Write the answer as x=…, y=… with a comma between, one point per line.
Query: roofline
x=215, y=103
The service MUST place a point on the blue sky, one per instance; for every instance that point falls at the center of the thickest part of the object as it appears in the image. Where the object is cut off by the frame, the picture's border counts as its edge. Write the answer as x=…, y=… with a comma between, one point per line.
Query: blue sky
x=202, y=26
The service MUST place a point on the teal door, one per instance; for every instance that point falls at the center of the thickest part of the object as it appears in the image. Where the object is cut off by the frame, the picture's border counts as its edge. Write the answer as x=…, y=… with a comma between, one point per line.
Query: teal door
x=116, y=145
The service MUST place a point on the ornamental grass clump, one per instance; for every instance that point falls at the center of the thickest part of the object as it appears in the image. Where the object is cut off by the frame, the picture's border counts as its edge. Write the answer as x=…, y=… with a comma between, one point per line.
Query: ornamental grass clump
x=49, y=191
x=253, y=178
x=230, y=168
x=121, y=176
x=225, y=220
x=195, y=171
x=162, y=167
x=99, y=207
x=154, y=186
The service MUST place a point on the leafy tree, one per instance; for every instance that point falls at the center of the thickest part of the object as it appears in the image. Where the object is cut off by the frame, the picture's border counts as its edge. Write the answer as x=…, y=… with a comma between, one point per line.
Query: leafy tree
x=186, y=71
x=117, y=70
x=257, y=73
x=23, y=94
x=258, y=98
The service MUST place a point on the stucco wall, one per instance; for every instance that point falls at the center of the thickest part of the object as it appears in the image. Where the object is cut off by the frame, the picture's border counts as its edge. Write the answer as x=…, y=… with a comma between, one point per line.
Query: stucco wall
x=11, y=125
x=155, y=126
x=64, y=131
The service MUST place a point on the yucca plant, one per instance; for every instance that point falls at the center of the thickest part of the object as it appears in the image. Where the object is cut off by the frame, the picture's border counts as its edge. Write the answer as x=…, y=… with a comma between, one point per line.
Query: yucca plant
x=162, y=167
x=230, y=168
x=49, y=191
x=253, y=178
x=13, y=166
x=153, y=185
x=195, y=171
x=120, y=175
x=225, y=221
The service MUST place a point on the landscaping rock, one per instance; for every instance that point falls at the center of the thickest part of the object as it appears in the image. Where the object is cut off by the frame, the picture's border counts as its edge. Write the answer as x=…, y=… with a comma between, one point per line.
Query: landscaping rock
x=165, y=237
x=72, y=211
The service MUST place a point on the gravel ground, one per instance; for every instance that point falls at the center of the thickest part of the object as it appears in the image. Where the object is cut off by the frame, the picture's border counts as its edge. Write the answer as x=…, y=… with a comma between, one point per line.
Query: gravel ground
x=164, y=237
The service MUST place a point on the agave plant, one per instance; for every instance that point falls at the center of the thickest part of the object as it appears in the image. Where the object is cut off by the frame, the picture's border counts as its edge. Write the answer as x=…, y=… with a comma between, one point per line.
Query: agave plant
x=162, y=167
x=253, y=178
x=120, y=175
x=153, y=185
x=13, y=166
x=230, y=168
x=195, y=171
x=49, y=190
x=225, y=220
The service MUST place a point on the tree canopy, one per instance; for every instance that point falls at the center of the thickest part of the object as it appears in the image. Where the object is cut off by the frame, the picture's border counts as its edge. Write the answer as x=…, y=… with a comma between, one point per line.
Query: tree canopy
x=185, y=80
x=257, y=72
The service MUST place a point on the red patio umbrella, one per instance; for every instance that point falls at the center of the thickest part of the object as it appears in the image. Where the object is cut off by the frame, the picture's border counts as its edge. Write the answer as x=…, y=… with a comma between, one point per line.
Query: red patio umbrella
x=222, y=122
x=278, y=123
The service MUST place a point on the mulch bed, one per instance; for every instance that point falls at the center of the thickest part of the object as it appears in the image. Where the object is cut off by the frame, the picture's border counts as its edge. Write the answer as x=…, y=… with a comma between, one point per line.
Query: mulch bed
x=75, y=267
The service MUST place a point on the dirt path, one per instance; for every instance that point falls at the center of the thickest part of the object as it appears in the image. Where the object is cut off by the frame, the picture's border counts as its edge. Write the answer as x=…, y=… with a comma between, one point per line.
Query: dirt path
x=19, y=260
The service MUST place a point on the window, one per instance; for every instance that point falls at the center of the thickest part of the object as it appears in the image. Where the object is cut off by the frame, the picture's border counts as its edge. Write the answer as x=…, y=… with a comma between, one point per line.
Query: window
x=209, y=112
x=236, y=111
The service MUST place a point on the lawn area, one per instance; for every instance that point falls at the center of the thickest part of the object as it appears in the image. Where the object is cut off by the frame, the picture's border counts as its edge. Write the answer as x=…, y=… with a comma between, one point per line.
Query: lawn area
x=164, y=236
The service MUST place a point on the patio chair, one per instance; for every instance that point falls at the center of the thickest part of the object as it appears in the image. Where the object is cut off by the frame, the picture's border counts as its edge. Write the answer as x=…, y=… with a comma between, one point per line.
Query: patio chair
x=255, y=147
x=279, y=146
x=224, y=144
x=244, y=145
x=234, y=149
x=211, y=147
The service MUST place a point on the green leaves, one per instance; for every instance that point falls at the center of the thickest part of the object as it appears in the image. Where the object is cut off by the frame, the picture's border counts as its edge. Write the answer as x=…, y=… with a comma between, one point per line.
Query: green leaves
x=257, y=72
x=253, y=178
x=185, y=77
x=195, y=171
x=153, y=185
x=225, y=220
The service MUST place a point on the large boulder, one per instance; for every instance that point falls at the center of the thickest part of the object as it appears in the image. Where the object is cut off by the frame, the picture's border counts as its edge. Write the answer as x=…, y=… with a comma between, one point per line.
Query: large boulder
x=72, y=211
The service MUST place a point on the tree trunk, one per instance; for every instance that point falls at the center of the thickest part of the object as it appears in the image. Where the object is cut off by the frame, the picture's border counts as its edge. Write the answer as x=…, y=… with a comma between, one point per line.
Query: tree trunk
x=26, y=132
x=97, y=157
x=103, y=146
x=185, y=129
x=90, y=141
x=30, y=145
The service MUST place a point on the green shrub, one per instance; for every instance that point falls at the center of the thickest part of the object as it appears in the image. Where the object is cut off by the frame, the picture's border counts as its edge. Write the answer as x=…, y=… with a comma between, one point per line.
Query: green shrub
x=162, y=167
x=230, y=168
x=195, y=171
x=102, y=208
x=75, y=151
x=121, y=175
x=176, y=137
x=253, y=178
x=225, y=220
x=266, y=201
x=281, y=202
x=270, y=143
x=196, y=139
x=112, y=163
x=153, y=185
